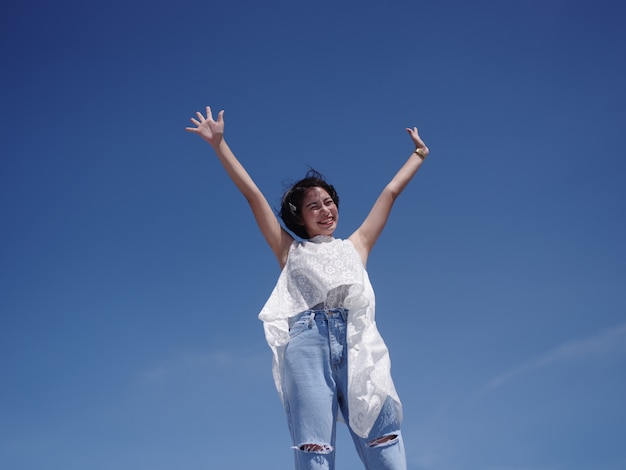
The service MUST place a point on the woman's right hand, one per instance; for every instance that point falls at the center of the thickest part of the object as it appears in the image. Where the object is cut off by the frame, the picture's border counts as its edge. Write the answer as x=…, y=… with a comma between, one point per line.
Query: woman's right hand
x=210, y=130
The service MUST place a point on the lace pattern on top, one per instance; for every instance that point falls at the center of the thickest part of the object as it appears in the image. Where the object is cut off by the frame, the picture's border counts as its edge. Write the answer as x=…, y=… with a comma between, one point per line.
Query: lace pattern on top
x=325, y=272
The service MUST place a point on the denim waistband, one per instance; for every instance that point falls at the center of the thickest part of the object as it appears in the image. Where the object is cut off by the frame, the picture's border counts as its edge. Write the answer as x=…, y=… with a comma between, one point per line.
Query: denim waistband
x=320, y=314
x=329, y=312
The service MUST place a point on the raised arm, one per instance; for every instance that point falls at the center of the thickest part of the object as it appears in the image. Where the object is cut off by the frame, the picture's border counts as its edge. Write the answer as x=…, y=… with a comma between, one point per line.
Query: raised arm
x=213, y=132
x=367, y=234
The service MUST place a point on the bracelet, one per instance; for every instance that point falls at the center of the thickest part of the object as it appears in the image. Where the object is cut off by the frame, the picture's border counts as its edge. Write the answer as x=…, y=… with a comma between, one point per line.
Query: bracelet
x=420, y=152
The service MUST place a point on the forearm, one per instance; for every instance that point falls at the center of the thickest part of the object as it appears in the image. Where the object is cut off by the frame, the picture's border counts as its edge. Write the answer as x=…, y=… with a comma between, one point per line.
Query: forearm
x=404, y=175
x=236, y=171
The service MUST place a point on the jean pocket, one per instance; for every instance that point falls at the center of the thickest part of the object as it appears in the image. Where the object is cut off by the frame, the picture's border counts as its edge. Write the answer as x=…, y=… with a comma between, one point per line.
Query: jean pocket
x=299, y=326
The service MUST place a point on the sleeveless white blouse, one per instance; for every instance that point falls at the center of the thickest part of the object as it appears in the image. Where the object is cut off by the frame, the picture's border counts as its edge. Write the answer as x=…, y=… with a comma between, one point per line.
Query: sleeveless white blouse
x=329, y=272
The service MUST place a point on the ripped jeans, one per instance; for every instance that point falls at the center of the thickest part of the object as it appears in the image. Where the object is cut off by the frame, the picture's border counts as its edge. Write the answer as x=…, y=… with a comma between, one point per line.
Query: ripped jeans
x=315, y=389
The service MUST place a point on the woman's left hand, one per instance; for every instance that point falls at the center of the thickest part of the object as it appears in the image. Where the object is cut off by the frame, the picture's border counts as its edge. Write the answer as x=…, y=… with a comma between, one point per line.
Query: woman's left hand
x=419, y=143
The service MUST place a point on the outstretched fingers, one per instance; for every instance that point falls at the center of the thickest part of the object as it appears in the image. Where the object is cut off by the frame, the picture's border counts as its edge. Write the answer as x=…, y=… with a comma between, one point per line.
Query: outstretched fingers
x=206, y=127
x=196, y=123
x=209, y=115
x=201, y=120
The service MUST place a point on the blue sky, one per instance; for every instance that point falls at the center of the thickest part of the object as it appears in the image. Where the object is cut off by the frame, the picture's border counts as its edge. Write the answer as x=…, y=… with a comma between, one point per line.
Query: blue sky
x=131, y=270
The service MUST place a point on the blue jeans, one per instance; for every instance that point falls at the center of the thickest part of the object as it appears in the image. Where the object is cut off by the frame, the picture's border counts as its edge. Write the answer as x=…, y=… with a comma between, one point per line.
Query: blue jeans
x=315, y=389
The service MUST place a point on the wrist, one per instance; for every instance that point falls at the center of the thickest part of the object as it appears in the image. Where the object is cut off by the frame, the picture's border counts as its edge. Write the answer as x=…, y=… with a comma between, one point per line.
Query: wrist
x=421, y=152
x=216, y=144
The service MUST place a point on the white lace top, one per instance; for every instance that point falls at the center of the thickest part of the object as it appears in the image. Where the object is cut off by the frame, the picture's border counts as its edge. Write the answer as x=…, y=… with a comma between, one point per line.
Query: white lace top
x=329, y=271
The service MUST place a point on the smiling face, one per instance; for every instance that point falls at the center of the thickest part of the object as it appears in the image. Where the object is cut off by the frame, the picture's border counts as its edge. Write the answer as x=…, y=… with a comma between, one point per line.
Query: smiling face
x=319, y=213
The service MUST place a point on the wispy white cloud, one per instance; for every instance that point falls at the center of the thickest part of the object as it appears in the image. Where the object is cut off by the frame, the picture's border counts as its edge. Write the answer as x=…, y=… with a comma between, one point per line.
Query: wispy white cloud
x=607, y=343
x=205, y=363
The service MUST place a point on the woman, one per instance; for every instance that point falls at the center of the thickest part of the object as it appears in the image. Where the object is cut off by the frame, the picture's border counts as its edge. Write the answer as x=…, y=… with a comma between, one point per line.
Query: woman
x=330, y=362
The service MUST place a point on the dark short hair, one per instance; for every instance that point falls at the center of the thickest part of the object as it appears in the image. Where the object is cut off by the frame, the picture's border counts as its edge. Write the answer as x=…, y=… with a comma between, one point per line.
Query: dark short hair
x=291, y=202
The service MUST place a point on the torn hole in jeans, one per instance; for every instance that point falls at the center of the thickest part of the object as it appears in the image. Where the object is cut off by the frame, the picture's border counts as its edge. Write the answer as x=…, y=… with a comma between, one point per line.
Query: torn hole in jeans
x=383, y=440
x=314, y=448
